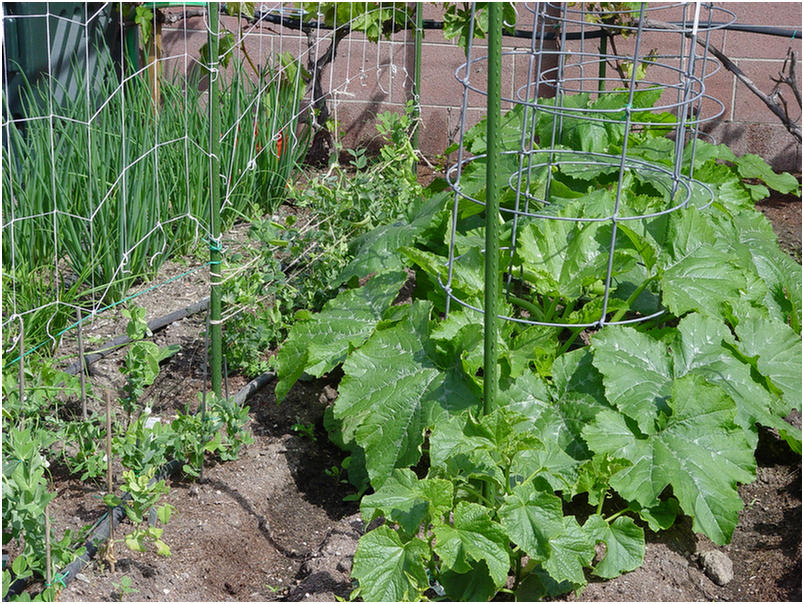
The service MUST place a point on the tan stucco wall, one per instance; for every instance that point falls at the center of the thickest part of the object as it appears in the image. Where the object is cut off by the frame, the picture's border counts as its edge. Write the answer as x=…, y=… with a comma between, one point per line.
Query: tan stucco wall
x=369, y=78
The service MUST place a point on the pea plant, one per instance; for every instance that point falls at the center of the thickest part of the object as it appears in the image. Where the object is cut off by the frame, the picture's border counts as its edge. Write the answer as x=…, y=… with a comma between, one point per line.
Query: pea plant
x=143, y=494
x=635, y=426
x=38, y=431
x=142, y=360
x=300, y=260
x=28, y=438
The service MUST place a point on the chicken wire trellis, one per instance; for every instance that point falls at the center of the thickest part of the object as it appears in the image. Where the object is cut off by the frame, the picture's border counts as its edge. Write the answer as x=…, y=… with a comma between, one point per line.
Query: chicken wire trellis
x=580, y=87
x=140, y=159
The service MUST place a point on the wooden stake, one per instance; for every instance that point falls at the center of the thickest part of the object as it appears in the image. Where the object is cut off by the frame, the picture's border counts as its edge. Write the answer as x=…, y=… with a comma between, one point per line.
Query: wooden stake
x=109, y=483
x=48, y=571
x=225, y=378
x=109, y=554
x=154, y=52
x=82, y=371
x=21, y=374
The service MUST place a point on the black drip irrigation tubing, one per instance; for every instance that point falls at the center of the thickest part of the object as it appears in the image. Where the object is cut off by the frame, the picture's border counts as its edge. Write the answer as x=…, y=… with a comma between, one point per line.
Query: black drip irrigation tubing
x=153, y=325
x=100, y=532
x=296, y=22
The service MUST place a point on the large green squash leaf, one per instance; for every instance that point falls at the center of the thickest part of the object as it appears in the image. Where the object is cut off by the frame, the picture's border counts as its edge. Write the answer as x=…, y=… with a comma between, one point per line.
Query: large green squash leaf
x=753, y=166
x=532, y=517
x=389, y=570
x=318, y=343
x=700, y=452
x=475, y=585
x=705, y=348
x=473, y=536
x=748, y=235
x=625, y=545
x=702, y=281
x=556, y=423
x=636, y=369
x=393, y=390
x=570, y=551
x=408, y=500
x=561, y=257
x=463, y=448
x=698, y=275
x=777, y=349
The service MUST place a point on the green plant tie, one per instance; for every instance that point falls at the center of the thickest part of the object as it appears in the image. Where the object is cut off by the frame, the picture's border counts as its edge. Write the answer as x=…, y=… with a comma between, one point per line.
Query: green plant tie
x=215, y=246
x=59, y=578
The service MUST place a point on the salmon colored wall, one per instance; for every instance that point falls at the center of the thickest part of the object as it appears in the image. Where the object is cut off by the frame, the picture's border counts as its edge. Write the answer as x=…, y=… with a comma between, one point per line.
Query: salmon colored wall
x=370, y=78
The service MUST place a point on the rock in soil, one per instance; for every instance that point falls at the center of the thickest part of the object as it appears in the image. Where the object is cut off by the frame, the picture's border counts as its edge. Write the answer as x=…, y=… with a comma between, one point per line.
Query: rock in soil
x=717, y=566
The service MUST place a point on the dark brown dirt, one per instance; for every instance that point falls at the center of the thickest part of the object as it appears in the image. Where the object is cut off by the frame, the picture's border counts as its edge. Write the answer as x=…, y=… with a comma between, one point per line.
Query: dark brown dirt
x=273, y=525
x=784, y=212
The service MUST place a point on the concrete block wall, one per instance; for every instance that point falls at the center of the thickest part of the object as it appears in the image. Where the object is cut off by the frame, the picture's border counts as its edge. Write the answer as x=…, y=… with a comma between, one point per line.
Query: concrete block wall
x=748, y=125
x=368, y=78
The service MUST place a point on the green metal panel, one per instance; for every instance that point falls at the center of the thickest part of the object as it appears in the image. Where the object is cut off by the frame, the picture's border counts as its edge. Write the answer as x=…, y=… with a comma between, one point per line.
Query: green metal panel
x=56, y=38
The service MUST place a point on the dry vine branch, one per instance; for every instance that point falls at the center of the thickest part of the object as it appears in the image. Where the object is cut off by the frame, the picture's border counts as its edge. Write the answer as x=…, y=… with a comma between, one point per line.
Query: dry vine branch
x=787, y=75
x=779, y=109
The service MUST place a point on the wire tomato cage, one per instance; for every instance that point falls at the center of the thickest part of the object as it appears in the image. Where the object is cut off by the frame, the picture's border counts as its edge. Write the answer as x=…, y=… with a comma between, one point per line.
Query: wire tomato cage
x=598, y=149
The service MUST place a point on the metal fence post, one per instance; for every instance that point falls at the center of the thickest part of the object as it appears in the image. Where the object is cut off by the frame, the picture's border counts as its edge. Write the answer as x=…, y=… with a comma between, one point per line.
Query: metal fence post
x=215, y=335
x=492, y=282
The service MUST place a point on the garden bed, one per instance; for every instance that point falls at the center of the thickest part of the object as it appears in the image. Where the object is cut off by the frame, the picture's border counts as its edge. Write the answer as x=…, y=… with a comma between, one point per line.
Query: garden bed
x=272, y=525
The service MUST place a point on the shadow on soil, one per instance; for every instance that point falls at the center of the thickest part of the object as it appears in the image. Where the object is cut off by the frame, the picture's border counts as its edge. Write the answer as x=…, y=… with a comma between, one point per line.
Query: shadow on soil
x=314, y=461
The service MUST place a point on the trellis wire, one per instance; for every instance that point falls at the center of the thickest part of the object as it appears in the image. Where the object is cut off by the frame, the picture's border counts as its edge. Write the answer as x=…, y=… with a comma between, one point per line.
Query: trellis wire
x=180, y=60
x=563, y=71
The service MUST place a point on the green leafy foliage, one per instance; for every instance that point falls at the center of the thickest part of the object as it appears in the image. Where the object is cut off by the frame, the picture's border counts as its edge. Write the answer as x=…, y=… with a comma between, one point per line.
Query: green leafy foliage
x=144, y=492
x=393, y=389
x=37, y=431
x=463, y=21
x=697, y=448
x=663, y=414
x=375, y=19
x=393, y=571
x=142, y=360
x=344, y=323
x=301, y=264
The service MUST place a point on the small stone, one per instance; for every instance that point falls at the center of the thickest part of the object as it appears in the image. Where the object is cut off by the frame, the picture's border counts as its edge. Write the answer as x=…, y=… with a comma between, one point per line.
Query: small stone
x=166, y=591
x=82, y=577
x=717, y=566
x=330, y=393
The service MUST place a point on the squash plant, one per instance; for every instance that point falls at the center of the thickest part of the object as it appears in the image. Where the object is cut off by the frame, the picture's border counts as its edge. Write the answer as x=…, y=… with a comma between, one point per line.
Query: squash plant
x=633, y=425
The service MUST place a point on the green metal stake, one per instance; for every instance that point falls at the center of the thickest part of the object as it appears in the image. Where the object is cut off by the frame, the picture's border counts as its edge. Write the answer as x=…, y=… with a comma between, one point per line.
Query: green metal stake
x=417, y=76
x=215, y=334
x=492, y=282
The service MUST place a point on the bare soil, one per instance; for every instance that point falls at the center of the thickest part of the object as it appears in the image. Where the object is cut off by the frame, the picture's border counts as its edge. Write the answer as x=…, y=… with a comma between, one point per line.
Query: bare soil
x=273, y=524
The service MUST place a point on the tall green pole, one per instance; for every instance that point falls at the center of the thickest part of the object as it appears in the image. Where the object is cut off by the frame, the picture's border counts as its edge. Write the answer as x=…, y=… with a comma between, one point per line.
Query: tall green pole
x=492, y=282
x=215, y=335
x=417, y=75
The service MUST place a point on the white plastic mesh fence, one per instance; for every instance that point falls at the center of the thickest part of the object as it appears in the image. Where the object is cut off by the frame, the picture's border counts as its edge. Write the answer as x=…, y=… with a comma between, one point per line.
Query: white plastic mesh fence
x=106, y=146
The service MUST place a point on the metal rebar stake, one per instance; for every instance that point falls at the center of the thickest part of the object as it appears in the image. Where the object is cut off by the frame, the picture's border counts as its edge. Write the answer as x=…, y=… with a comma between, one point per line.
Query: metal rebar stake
x=492, y=285
x=214, y=203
